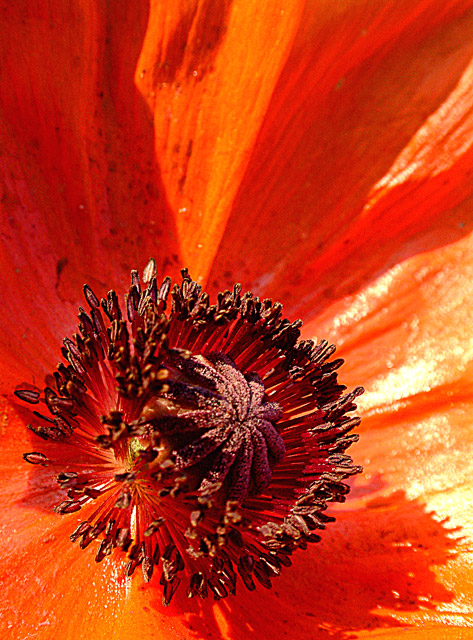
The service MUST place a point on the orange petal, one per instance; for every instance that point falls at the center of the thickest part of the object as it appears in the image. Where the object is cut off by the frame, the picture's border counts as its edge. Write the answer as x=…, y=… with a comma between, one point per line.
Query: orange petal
x=398, y=332
x=52, y=588
x=408, y=333
x=407, y=338
x=310, y=209
x=207, y=71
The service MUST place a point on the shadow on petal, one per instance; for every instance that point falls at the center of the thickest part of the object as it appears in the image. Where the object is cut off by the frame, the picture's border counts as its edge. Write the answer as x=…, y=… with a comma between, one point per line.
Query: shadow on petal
x=372, y=565
x=83, y=199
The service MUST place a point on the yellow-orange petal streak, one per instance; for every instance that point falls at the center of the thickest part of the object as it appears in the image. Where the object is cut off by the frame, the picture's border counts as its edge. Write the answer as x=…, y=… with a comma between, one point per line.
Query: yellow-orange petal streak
x=207, y=71
x=409, y=332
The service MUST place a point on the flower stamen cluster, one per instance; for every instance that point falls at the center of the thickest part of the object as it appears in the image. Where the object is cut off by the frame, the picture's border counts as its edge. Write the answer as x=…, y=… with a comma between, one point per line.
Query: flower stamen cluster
x=203, y=441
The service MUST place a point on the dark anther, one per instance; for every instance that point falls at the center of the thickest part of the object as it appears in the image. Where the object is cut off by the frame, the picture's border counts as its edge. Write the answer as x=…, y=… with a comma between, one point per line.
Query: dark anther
x=105, y=549
x=66, y=477
x=91, y=297
x=82, y=529
x=149, y=272
x=128, y=476
x=68, y=506
x=147, y=568
x=123, y=501
x=36, y=458
x=197, y=586
x=169, y=590
x=153, y=527
x=32, y=397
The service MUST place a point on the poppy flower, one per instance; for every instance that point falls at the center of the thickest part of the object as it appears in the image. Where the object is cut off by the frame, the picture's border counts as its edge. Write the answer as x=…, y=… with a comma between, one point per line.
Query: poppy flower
x=319, y=153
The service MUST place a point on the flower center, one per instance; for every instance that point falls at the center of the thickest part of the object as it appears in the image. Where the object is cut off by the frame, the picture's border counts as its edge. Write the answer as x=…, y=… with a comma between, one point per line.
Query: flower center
x=205, y=441
x=226, y=434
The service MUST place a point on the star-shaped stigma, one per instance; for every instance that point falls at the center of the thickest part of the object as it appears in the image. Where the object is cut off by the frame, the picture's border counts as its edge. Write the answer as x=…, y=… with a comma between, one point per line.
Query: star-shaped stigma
x=229, y=426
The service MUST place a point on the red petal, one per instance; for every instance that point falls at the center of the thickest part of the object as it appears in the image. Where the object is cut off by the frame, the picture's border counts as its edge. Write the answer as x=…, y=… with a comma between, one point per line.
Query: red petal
x=83, y=198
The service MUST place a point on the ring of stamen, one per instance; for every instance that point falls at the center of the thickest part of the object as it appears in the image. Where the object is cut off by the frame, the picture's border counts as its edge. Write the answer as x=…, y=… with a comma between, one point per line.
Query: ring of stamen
x=205, y=441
